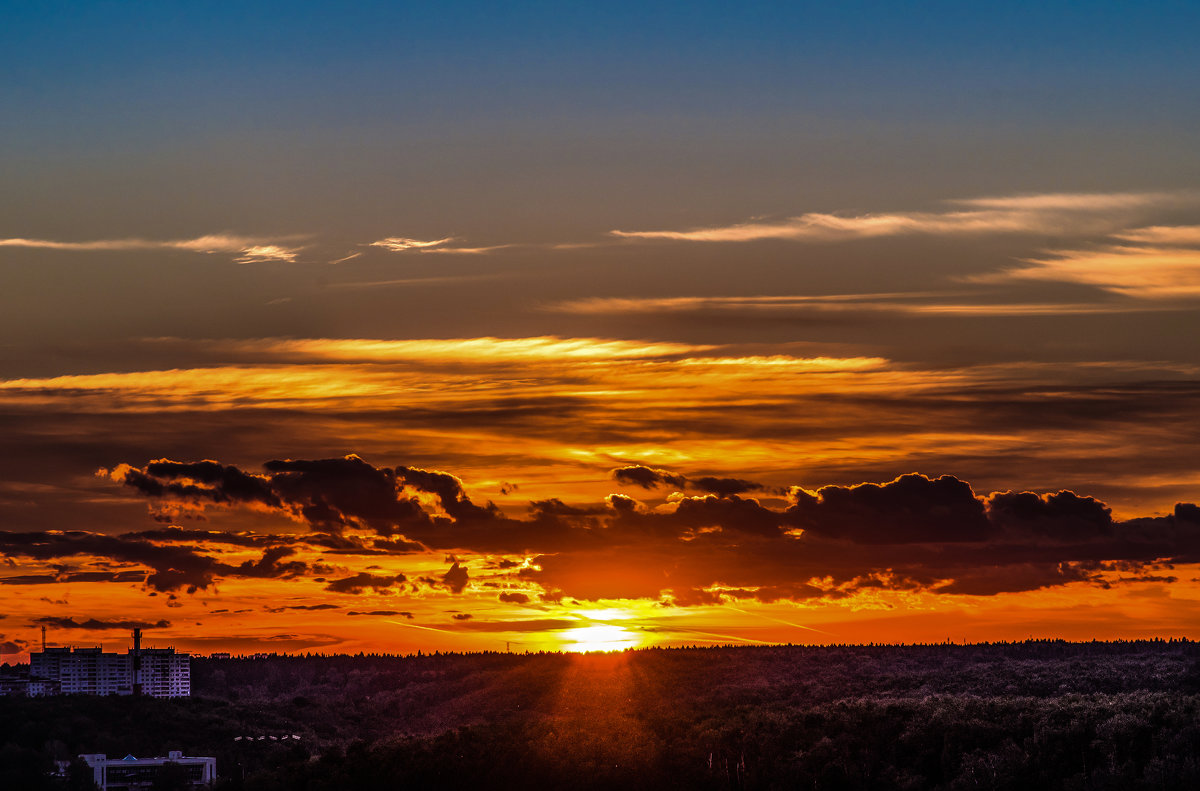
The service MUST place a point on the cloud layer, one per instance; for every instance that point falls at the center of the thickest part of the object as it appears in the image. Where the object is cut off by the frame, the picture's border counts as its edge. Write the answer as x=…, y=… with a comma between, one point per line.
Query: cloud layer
x=914, y=533
x=1057, y=214
x=244, y=249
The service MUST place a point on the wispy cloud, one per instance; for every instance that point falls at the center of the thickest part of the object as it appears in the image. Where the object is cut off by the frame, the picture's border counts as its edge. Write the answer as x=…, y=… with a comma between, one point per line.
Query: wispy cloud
x=607, y=305
x=266, y=253
x=547, y=347
x=1163, y=234
x=835, y=304
x=345, y=258
x=1080, y=201
x=247, y=250
x=1159, y=262
x=469, y=250
x=401, y=244
x=1049, y=213
x=1144, y=272
x=434, y=280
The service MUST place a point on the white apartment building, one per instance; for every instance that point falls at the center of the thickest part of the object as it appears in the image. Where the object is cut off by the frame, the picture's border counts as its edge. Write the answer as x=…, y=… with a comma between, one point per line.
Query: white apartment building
x=166, y=674
x=90, y=671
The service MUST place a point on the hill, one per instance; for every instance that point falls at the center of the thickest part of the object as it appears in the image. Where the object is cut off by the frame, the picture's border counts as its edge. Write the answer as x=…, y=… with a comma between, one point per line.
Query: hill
x=1041, y=714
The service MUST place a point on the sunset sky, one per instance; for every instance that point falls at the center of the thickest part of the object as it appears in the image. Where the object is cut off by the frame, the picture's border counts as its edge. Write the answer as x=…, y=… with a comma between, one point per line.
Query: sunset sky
x=463, y=326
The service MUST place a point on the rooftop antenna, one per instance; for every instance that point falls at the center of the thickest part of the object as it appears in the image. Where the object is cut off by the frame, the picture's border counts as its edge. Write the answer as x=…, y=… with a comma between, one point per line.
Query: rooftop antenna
x=137, y=662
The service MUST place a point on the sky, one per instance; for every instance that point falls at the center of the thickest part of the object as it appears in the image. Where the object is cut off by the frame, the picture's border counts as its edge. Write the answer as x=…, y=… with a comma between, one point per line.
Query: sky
x=391, y=327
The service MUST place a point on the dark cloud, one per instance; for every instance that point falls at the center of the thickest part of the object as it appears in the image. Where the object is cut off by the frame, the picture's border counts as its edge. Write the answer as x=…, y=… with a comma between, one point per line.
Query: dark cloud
x=648, y=477
x=1064, y=516
x=1016, y=577
x=554, y=507
x=449, y=491
x=723, y=487
x=304, y=607
x=396, y=546
x=351, y=544
x=911, y=533
x=171, y=567
x=199, y=481
x=514, y=598
x=652, y=478
x=95, y=625
x=360, y=582
x=13, y=646
x=622, y=504
x=730, y=513
x=180, y=535
x=268, y=566
x=462, y=616
x=76, y=576
x=456, y=578
x=330, y=495
x=401, y=613
x=526, y=625
x=910, y=509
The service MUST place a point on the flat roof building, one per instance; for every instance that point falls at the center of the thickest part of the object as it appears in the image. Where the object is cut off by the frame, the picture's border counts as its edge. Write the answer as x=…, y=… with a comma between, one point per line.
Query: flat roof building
x=130, y=773
x=157, y=672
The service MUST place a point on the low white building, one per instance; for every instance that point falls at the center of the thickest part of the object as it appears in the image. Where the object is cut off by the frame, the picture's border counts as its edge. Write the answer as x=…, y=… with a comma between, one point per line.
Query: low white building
x=130, y=773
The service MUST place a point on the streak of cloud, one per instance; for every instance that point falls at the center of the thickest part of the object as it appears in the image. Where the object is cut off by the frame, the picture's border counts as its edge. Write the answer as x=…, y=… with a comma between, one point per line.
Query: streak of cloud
x=1023, y=214
x=345, y=258
x=419, y=281
x=399, y=244
x=1150, y=273
x=865, y=305
x=544, y=347
x=1163, y=234
x=245, y=249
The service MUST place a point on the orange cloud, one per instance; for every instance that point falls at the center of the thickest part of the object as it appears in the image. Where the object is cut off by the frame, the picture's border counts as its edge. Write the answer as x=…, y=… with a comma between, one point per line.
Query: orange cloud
x=836, y=305
x=1155, y=273
x=247, y=250
x=1051, y=213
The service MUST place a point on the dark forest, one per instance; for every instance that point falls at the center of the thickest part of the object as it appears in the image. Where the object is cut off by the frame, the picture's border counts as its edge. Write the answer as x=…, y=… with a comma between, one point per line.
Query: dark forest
x=1051, y=715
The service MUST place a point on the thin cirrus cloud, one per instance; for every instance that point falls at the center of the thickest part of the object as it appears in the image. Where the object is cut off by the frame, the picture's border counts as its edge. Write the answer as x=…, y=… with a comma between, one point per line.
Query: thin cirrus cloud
x=1055, y=213
x=246, y=250
x=545, y=347
x=1145, y=273
x=831, y=304
x=1163, y=234
x=417, y=281
x=1152, y=263
x=401, y=244
x=324, y=369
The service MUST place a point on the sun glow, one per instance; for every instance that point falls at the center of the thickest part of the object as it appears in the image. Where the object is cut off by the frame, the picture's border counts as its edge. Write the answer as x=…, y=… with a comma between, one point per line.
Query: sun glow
x=601, y=637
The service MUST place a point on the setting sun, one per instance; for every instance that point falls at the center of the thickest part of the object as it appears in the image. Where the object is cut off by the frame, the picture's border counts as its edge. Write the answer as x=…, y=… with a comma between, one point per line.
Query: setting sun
x=601, y=637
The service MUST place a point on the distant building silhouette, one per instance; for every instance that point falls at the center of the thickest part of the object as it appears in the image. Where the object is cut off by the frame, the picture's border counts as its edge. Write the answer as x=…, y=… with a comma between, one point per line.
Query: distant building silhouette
x=157, y=672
